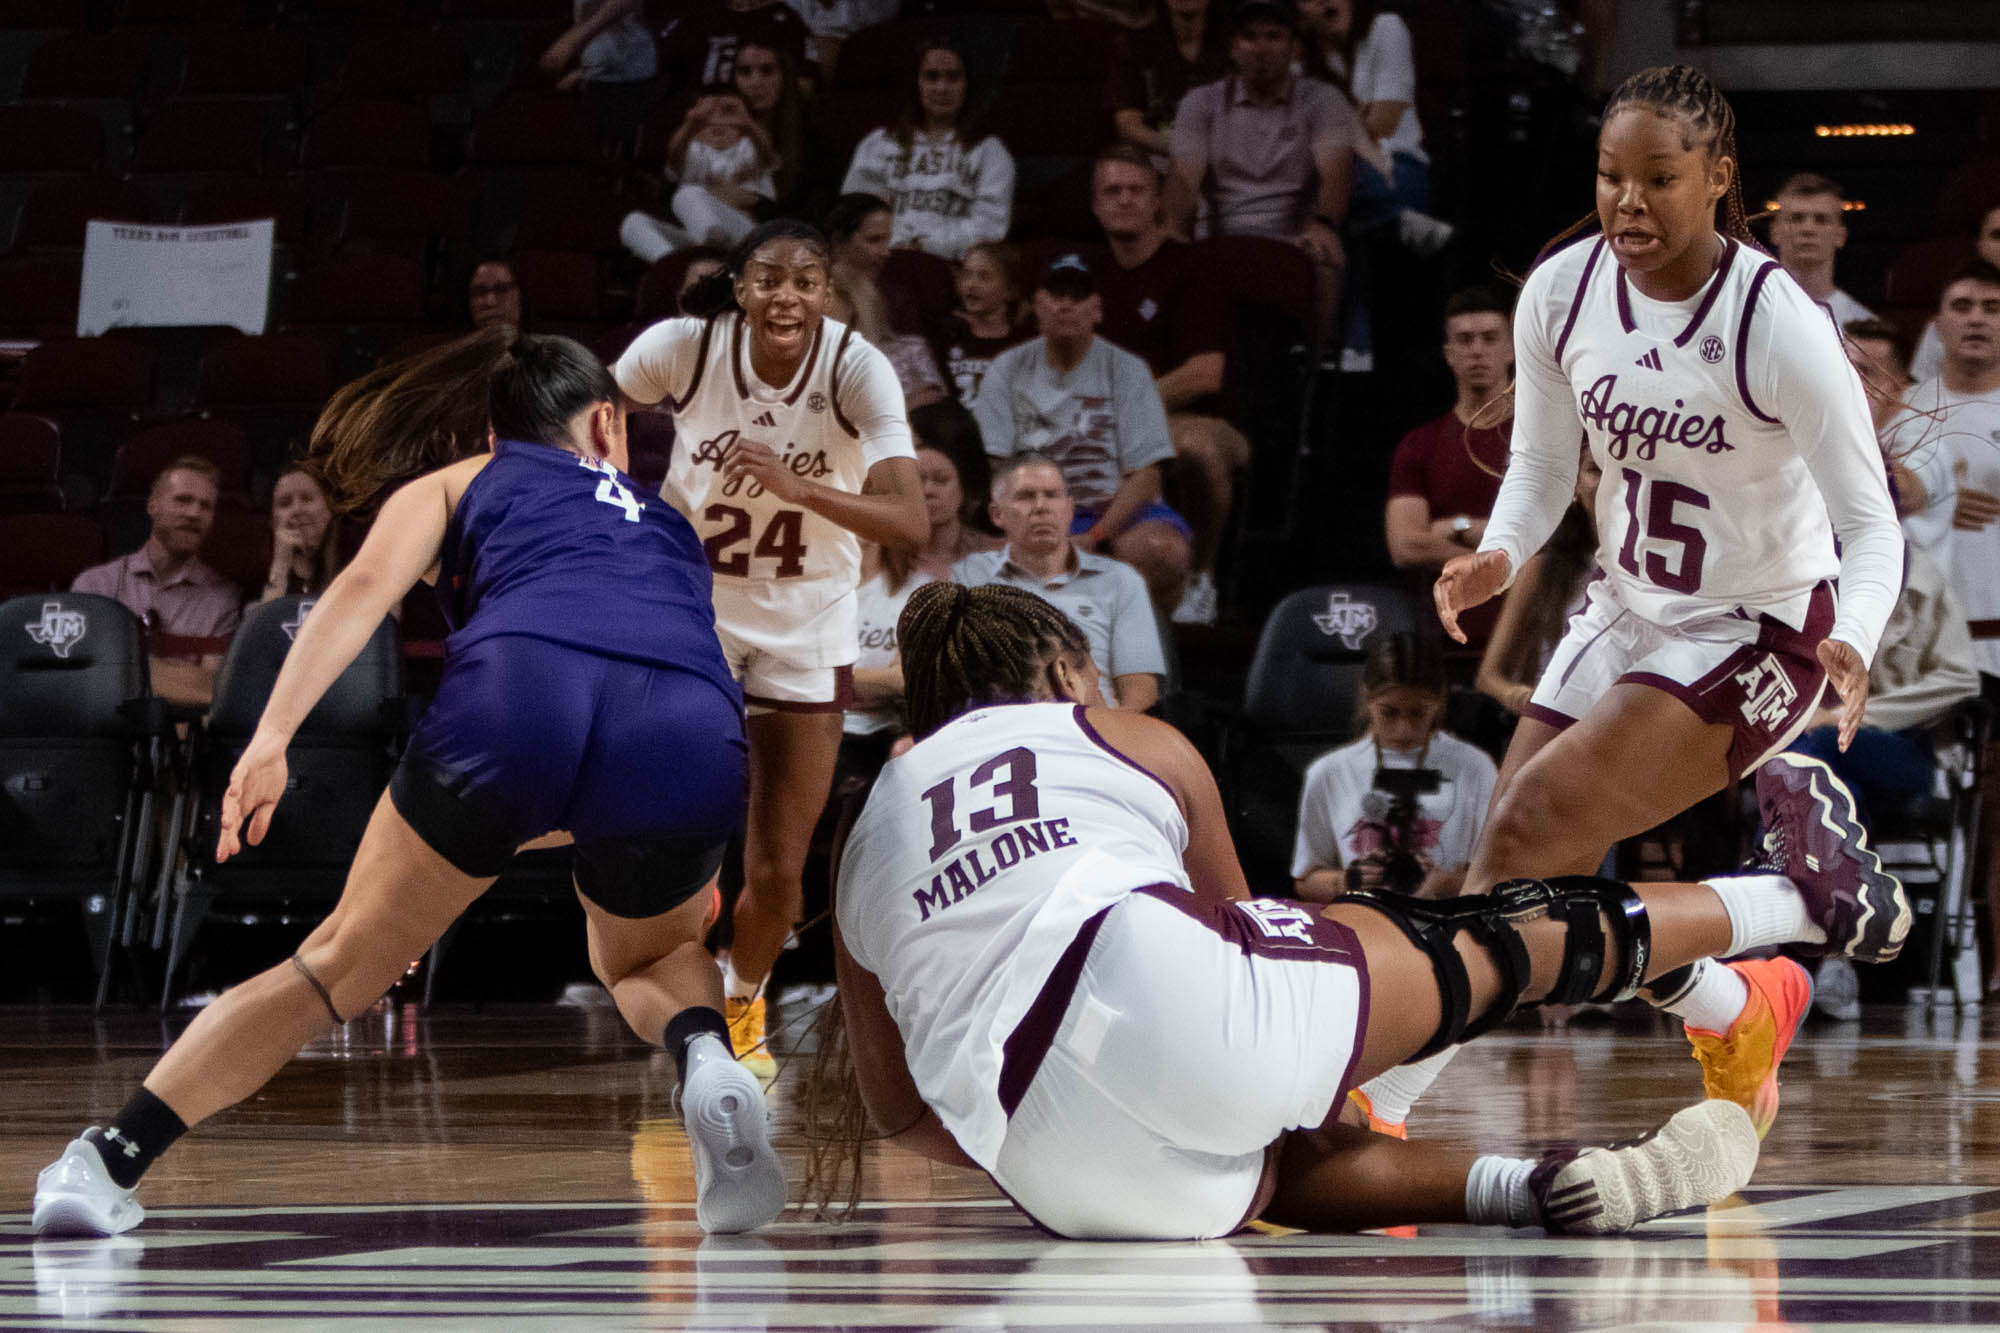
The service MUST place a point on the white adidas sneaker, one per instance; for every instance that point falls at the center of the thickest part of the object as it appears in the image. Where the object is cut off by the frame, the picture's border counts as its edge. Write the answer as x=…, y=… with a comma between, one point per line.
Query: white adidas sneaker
x=739, y=1181
x=75, y=1196
x=1702, y=1155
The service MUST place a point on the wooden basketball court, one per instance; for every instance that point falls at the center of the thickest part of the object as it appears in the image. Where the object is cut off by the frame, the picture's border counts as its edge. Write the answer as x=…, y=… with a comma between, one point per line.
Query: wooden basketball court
x=523, y=1169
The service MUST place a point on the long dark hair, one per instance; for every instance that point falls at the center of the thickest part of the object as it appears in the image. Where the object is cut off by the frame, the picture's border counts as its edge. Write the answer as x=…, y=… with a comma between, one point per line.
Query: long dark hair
x=716, y=293
x=911, y=117
x=1361, y=16
x=425, y=411
x=964, y=648
x=787, y=126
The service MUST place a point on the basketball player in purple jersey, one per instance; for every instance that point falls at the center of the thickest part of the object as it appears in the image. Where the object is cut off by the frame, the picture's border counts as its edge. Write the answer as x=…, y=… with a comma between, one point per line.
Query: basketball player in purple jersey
x=1736, y=446
x=583, y=691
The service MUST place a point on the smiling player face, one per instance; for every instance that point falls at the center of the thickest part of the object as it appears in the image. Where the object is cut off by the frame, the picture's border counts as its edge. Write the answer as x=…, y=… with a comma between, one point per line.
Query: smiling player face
x=784, y=293
x=1656, y=196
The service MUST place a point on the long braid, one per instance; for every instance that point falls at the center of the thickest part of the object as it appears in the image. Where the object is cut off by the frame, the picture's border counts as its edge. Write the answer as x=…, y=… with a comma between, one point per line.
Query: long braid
x=966, y=647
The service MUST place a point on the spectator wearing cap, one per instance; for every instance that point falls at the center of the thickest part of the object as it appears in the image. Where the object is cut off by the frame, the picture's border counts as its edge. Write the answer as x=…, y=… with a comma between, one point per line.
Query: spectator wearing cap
x=1161, y=305
x=185, y=605
x=1270, y=152
x=1093, y=409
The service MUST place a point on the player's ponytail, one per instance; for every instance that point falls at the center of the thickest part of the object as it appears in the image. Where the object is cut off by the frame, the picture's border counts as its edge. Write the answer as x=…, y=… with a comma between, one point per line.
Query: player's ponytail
x=964, y=648
x=716, y=294
x=405, y=418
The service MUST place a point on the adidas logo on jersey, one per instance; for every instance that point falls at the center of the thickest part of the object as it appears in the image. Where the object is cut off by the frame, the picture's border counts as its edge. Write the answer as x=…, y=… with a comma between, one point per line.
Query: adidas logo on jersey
x=765, y=419
x=1650, y=361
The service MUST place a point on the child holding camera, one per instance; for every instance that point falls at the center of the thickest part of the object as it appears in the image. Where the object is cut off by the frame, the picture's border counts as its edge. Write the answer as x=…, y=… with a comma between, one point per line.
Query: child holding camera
x=1401, y=807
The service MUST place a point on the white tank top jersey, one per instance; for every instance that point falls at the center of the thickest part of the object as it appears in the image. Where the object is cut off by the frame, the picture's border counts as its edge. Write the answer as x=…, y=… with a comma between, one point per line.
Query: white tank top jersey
x=979, y=855
x=784, y=576
x=1735, y=440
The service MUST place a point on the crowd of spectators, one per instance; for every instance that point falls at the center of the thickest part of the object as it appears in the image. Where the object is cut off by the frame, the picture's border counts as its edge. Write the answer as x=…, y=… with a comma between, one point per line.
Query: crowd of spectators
x=1025, y=206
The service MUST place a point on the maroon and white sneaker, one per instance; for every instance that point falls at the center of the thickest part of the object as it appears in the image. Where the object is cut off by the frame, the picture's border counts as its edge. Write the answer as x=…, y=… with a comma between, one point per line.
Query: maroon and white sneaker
x=1814, y=838
x=1702, y=1155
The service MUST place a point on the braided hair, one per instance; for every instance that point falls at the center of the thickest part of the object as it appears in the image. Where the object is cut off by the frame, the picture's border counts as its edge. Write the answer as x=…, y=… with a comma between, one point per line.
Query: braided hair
x=964, y=648
x=1683, y=93
x=716, y=294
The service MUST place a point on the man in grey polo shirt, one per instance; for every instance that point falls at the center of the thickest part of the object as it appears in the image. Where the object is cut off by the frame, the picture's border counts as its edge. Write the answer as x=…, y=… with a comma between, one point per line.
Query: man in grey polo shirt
x=1271, y=152
x=1106, y=598
x=1094, y=410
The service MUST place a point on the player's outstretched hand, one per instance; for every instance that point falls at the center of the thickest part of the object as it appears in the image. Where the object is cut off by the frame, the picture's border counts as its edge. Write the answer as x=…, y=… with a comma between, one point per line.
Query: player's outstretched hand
x=1850, y=681
x=1467, y=581
x=255, y=785
x=762, y=465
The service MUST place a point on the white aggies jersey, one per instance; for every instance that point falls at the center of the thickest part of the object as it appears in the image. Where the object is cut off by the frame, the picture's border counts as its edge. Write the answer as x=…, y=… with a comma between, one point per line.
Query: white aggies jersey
x=784, y=576
x=979, y=855
x=1734, y=438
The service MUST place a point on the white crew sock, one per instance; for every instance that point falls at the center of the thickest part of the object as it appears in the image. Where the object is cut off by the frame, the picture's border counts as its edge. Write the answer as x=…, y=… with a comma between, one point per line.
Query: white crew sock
x=1496, y=1192
x=1764, y=910
x=735, y=987
x=1713, y=1000
x=1393, y=1092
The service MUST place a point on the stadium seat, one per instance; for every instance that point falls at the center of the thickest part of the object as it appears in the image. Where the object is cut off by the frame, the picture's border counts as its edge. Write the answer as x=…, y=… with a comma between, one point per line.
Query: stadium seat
x=87, y=64
x=339, y=761
x=237, y=198
x=535, y=130
x=367, y=134
x=42, y=138
x=146, y=451
x=660, y=288
x=359, y=289
x=239, y=544
x=39, y=295
x=87, y=373
x=276, y=370
x=207, y=134
x=45, y=552
x=395, y=205
x=30, y=464
x=78, y=742
x=1300, y=699
x=583, y=222
x=1059, y=51
x=244, y=62
x=405, y=65
x=57, y=209
x=560, y=287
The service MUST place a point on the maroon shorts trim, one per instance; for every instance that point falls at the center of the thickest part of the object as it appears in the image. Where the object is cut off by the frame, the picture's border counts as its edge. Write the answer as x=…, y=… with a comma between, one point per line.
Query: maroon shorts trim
x=843, y=697
x=1021, y=1055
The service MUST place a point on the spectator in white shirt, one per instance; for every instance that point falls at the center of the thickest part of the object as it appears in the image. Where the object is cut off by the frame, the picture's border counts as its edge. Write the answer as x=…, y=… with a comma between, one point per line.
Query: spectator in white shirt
x=1807, y=231
x=948, y=185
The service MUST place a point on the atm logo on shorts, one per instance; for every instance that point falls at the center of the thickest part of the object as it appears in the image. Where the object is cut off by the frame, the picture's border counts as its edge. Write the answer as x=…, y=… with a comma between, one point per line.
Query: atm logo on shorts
x=60, y=628
x=1768, y=694
x=1352, y=621
x=1279, y=920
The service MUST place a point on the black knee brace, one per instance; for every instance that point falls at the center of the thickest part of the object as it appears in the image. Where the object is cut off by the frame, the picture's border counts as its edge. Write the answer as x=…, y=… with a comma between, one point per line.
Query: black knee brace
x=1494, y=921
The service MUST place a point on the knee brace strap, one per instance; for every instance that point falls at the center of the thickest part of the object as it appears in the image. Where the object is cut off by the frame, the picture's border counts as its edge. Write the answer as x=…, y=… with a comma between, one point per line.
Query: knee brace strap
x=1434, y=927
x=1494, y=921
x=1575, y=900
x=319, y=990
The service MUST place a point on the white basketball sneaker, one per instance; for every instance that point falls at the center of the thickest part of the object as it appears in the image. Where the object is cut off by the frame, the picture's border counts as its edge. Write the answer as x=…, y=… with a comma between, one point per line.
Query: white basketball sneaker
x=1702, y=1155
x=75, y=1196
x=739, y=1182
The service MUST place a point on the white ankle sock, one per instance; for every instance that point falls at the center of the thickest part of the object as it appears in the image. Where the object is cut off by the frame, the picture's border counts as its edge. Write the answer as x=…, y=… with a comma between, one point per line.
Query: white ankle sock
x=736, y=988
x=1496, y=1192
x=1764, y=910
x=1395, y=1091
x=1713, y=999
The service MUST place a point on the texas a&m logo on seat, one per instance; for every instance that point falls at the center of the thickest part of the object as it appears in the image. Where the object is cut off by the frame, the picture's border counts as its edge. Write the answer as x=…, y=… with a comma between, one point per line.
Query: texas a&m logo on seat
x=60, y=628
x=1352, y=621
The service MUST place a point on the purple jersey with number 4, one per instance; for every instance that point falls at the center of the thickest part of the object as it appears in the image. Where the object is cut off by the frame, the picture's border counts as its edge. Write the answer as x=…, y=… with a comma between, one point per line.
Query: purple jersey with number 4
x=570, y=550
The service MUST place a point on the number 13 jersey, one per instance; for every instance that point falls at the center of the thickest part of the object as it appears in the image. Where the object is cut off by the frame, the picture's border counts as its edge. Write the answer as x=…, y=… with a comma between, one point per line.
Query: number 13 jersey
x=785, y=578
x=1735, y=441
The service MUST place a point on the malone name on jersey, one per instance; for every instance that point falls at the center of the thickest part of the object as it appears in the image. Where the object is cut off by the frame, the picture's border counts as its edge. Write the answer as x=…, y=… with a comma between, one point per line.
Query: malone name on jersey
x=966, y=873
x=1627, y=426
x=810, y=464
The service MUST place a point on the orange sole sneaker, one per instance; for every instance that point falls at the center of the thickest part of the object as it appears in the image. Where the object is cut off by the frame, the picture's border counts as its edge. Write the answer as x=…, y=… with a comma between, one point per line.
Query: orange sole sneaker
x=1741, y=1065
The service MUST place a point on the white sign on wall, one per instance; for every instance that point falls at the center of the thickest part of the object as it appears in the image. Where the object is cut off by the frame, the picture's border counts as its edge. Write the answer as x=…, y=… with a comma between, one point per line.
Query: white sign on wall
x=140, y=276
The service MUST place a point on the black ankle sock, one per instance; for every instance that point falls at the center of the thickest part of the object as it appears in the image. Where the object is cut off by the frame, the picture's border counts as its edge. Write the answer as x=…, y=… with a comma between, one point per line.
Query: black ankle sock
x=142, y=1131
x=688, y=1024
